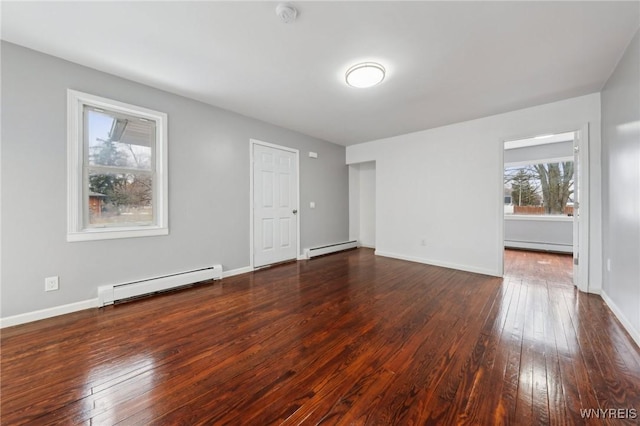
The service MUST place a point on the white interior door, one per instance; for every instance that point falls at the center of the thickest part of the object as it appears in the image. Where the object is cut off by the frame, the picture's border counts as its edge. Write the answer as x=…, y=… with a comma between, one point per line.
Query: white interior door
x=275, y=205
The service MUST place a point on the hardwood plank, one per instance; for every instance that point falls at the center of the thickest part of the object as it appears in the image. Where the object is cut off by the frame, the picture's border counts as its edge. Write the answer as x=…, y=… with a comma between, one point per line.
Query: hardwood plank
x=491, y=405
x=514, y=345
x=566, y=349
x=542, y=346
x=524, y=400
x=555, y=392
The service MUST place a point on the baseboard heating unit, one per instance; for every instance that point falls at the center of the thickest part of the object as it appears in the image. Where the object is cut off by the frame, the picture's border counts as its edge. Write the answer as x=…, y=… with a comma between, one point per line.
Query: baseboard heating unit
x=109, y=294
x=331, y=248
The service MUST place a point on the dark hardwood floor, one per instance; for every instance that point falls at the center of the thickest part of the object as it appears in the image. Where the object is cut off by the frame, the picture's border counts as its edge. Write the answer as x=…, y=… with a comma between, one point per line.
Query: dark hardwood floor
x=538, y=265
x=349, y=338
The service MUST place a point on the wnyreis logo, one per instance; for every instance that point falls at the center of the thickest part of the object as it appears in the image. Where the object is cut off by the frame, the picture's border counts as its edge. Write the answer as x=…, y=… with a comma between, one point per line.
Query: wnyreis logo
x=609, y=413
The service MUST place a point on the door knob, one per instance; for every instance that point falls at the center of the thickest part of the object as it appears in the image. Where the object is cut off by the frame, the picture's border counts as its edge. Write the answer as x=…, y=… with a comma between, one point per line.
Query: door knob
x=295, y=211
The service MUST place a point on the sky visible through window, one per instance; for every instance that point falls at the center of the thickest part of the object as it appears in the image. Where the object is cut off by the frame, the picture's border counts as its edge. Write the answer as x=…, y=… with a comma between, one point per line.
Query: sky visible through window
x=119, y=170
x=124, y=154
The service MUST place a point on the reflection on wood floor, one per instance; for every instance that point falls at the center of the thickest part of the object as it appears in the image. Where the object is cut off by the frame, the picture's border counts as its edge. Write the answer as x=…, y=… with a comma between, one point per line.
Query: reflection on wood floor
x=349, y=338
x=537, y=265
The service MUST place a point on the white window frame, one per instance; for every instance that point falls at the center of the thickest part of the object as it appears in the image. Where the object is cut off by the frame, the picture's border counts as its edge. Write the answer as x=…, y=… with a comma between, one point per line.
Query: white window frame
x=560, y=218
x=76, y=228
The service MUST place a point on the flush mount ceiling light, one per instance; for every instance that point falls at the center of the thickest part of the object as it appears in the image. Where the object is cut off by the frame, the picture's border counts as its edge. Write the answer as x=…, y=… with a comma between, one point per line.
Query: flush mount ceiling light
x=366, y=74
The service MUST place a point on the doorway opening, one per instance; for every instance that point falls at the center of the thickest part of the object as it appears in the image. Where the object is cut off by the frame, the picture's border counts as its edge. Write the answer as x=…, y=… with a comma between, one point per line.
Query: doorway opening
x=362, y=203
x=542, y=221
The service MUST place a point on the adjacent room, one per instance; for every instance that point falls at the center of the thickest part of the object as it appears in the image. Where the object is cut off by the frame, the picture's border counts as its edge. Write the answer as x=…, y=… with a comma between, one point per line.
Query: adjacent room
x=255, y=212
x=541, y=179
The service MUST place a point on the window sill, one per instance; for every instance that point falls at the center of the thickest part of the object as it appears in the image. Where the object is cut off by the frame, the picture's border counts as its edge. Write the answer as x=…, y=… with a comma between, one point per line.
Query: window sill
x=546, y=218
x=112, y=234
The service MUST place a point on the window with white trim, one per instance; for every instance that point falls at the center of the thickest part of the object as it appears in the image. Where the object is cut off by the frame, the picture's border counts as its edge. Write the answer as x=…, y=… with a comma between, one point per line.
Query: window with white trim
x=117, y=169
x=539, y=189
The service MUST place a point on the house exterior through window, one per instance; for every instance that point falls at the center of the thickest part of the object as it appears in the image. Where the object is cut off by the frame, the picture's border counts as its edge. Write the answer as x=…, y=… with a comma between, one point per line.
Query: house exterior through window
x=117, y=169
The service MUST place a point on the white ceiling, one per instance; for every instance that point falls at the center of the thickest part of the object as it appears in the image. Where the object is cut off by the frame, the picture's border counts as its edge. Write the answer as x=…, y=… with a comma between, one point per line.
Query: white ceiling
x=446, y=61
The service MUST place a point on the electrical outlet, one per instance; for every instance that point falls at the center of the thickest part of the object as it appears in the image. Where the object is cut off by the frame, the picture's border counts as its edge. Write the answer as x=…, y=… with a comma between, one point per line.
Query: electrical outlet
x=51, y=284
x=608, y=265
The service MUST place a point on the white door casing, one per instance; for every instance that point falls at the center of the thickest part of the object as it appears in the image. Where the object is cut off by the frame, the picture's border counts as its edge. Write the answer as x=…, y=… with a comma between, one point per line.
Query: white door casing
x=275, y=203
x=576, y=209
x=581, y=218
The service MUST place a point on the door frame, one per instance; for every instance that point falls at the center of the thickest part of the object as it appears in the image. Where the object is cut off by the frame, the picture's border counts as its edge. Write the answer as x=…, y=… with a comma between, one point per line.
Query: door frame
x=583, y=184
x=252, y=144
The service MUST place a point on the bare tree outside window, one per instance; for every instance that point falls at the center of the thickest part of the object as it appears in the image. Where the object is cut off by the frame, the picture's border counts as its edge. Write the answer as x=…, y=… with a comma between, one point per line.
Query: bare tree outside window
x=120, y=172
x=541, y=188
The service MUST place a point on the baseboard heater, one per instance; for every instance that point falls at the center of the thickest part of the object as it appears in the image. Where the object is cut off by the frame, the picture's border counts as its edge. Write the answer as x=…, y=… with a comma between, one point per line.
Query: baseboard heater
x=331, y=248
x=109, y=294
x=529, y=245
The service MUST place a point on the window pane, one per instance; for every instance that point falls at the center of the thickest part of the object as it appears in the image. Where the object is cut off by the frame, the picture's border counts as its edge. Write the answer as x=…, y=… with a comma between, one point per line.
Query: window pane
x=120, y=198
x=119, y=140
x=539, y=189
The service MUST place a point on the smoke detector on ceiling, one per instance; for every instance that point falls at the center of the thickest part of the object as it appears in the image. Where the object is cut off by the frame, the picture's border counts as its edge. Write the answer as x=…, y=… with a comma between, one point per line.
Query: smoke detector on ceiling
x=286, y=12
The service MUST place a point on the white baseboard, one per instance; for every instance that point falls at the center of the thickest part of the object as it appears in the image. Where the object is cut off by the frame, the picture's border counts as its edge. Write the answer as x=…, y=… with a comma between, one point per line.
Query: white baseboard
x=238, y=271
x=48, y=313
x=465, y=268
x=635, y=334
x=78, y=306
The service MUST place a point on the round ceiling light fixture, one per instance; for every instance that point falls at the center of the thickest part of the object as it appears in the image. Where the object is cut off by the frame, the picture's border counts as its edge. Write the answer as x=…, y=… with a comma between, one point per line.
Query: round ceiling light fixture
x=366, y=74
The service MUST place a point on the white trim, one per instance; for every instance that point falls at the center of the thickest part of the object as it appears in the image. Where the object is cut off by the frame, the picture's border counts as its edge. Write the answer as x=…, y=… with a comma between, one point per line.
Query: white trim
x=237, y=271
x=542, y=218
x=432, y=262
x=75, y=160
x=584, y=168
x=500, y=200
x=48, y=313
x=253, y=142
x=635, y=334
x=110, y=234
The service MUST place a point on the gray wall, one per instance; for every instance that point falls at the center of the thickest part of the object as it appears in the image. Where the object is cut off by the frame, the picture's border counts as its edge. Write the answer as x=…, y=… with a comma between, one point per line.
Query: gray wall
x=538, y=152
x=540, y=234
x=208, y=186
x=621, y=185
